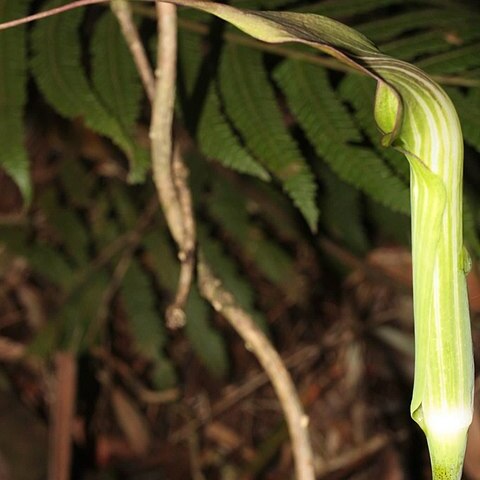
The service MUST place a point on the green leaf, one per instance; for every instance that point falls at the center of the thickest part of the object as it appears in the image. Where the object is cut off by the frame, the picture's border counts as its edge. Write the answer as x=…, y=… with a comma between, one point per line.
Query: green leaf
x=114, y=75
x=229, y=208
x=58, y=71
x=329, y=128
x=454, y=61
x=217, y=140
x=342, y=213
x=230, y=275
x=215, y=135
x=68, y=227
x=360, y=93
x=208, y=344
x=13, y=96
x=250, y=104
x=146, y=323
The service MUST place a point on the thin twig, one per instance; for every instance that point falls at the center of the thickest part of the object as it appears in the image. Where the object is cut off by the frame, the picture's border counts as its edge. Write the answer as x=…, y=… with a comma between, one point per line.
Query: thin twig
x=293, y=52
x=49, y=13
x=170, y=174
x=175, y=209
x=11, y=351
x=303, y=358
x=162, y=119
x=255, y=340
x=127, y=240
x=186, y=255
x=145, y=394
x=62, y=414
x=123, y=12
x=350, y=460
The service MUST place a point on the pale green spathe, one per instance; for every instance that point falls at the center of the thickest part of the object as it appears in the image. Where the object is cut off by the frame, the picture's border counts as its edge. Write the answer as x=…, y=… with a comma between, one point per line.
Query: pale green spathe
x=416, y=117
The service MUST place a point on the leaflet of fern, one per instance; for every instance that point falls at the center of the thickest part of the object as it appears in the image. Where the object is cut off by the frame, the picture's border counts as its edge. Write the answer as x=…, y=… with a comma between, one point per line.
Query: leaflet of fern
x=250, y=103
x=114, y=76
x=13, y=96
x=329, y=129
x=140, y=303
x=207, y=343
x=58, y=71
x=360, y=93
x=216, y=138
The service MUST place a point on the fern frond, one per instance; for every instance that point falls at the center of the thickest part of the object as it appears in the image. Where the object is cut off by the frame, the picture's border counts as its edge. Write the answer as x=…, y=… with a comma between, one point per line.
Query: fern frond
x=139, y=299
x=410, y=47
x=228, y=273
x=468, y=108
x=215, y=136
x=13, y=95
x=50, y=264
x=58, y=71
x=123, y=206
x=104, y=229
x=250, y=103
x=360, y=93
x=316, y=107
x=454, y=61
x=341, y=9
x=114, y=76
x=217, y=140
x=470, y=231
x=78, y=315
x=382, y=30
x=68, y=228
x=77, y=183
x=228, y=207
x=342, y=216
x=207, y=343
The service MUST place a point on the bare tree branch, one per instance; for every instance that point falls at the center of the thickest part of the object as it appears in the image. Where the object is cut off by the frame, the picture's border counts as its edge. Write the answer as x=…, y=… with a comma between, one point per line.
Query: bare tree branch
x=255, y=341
x=61, y=416
x=174, y=195
x=123, y=12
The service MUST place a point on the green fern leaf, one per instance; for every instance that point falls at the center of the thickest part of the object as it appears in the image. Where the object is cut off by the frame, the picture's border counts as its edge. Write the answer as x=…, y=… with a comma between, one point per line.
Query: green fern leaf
x=470, y=231
x=410, y=47
x=50, y=264
x=381, y=30
x=70, y=230
x=454, y=61
x=468, y=107
x=207, y=343
x=114, y=75
x=13, y=95
x=392, y=226
x=104, y=229
x=228, y=208
x=342, y=216
x=250, y=103
x=78, y=316
x=341, y=9
x=146, y=322
x=360, y=93
x=57, y=68
x=218, y=141
x=215, y=136
x=321, y=115
x=76, y=182
x=228, y=273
